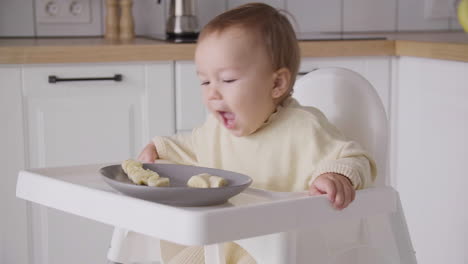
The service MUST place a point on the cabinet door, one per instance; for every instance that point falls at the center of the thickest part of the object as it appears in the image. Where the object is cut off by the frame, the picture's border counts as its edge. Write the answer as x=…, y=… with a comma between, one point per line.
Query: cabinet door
x=82, y=122
x=13, y=221
x=190, y=111
x=430, y=153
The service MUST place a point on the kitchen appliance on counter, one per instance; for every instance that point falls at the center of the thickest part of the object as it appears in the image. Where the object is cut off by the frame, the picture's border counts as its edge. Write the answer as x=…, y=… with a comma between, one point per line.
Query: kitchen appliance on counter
x=182, y=22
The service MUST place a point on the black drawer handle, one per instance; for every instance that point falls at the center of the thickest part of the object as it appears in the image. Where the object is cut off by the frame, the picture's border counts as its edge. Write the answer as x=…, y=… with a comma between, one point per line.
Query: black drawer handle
x=116, y=78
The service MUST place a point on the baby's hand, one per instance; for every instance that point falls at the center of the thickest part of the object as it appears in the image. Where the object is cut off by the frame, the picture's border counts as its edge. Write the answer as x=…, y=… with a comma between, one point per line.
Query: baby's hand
x=149, y=154
x=337, y=187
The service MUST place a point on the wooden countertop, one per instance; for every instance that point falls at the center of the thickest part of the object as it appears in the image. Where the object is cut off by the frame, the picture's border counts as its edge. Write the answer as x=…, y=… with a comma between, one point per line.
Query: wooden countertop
x=436, y=45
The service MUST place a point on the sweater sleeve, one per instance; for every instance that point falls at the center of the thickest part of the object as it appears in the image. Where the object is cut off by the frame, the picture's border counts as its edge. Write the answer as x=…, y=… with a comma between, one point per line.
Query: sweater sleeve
x=352, y=162
x=178, y=148
x=343, y=156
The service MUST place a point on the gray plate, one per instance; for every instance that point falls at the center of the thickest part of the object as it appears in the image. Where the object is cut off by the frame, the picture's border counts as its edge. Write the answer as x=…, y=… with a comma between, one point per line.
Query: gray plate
x=178, y=193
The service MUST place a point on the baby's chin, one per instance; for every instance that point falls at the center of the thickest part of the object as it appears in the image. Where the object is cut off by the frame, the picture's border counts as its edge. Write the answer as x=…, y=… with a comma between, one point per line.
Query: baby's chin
x=235, y=130
x=240, y=131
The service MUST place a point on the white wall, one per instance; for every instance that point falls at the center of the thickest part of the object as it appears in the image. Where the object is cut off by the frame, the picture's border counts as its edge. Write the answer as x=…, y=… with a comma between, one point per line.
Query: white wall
x=16, y=18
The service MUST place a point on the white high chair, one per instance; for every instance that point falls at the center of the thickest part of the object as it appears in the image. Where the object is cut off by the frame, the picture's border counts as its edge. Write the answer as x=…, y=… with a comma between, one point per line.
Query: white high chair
x=363, y=233
x=274, y=228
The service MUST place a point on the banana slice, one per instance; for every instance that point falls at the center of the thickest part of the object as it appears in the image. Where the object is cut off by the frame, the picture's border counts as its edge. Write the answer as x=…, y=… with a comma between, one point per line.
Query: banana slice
x=158, y=181
x=217, y=181
x=206, y=180
x=199, y=181
x=130, y=164
x=138, y=175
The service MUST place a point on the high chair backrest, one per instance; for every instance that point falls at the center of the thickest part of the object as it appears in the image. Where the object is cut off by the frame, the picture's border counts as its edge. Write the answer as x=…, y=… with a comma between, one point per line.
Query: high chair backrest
x=351, y=103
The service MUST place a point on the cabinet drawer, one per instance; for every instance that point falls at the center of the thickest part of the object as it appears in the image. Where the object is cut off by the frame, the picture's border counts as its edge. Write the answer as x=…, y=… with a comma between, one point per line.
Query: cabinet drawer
x=36, y=80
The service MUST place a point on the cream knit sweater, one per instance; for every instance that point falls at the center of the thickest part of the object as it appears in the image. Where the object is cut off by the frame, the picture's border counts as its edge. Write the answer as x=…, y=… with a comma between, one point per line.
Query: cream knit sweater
x=294, y=146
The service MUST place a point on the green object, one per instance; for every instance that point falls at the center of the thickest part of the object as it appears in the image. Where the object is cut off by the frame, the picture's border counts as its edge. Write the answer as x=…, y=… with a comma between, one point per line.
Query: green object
x=462, y=13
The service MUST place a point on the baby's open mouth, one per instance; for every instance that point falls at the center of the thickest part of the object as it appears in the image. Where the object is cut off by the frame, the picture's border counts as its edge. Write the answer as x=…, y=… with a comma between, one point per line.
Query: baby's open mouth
x=228, y=119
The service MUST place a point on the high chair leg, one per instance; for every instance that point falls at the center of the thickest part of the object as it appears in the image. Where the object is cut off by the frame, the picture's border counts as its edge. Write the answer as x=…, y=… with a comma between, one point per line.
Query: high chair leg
x=214, y=254
x=401, y=233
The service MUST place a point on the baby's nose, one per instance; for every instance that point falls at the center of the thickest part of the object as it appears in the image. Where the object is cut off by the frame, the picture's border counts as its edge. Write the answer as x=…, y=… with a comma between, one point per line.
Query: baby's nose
x=213, y=93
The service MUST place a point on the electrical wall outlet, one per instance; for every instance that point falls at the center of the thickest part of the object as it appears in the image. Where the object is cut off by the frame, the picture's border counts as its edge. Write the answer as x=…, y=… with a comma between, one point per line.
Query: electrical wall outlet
x=440, y=9
x=63, y=11
x=68, y=18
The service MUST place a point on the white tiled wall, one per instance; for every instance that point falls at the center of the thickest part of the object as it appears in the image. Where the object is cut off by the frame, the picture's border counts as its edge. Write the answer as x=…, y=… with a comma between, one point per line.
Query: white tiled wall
x=275, y=3
x=16, y=16
x=369, y=15
x=149, y=16
x=316, y=15
x=411, y=17
x=208, y=9
x=313, y=16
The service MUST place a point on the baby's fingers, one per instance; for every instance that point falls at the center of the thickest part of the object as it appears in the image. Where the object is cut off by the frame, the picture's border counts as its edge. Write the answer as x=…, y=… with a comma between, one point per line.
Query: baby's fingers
x=345, y=194
x=323, y=186
x=148, y=154
x=340, y=197
x=313, y=191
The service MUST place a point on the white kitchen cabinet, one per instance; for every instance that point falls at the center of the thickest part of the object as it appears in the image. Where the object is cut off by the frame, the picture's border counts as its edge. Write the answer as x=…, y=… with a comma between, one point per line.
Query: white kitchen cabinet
x=190, y=111
x=430, y=153
x=13, y=220
x=82, y=122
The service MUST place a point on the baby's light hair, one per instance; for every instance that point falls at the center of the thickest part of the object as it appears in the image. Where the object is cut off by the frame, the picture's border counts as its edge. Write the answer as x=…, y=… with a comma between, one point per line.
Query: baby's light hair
x=274, y=28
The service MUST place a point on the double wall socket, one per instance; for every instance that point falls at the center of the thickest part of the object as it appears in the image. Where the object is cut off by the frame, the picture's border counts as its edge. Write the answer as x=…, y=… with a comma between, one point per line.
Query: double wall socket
x=63, y=11
x=68, y=17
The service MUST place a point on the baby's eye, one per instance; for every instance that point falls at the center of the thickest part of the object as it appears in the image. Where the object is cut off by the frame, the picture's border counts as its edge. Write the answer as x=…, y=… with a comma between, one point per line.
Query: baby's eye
x=229, y=81
x=205, y=83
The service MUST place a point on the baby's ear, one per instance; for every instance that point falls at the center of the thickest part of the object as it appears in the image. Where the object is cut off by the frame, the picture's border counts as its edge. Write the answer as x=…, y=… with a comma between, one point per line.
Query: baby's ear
x=282, y=77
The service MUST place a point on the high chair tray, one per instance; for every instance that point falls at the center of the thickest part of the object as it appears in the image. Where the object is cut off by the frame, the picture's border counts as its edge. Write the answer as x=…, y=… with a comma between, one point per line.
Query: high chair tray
x=80, y=190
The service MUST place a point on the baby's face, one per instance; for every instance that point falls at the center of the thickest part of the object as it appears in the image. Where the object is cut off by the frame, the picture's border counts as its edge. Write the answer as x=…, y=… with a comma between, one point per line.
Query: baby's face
x=237, y=79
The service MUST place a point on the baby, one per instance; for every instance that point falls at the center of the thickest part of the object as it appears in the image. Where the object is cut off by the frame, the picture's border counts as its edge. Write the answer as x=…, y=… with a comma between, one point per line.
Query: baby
x=247, y=60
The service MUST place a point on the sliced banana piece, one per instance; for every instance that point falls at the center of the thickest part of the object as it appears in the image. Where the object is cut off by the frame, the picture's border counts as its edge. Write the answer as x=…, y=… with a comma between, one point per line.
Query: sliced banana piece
x=138, y=175
x=199, y=181
x=130, y=164
x=217, y=181
x=158, y=181
x=205, y=180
